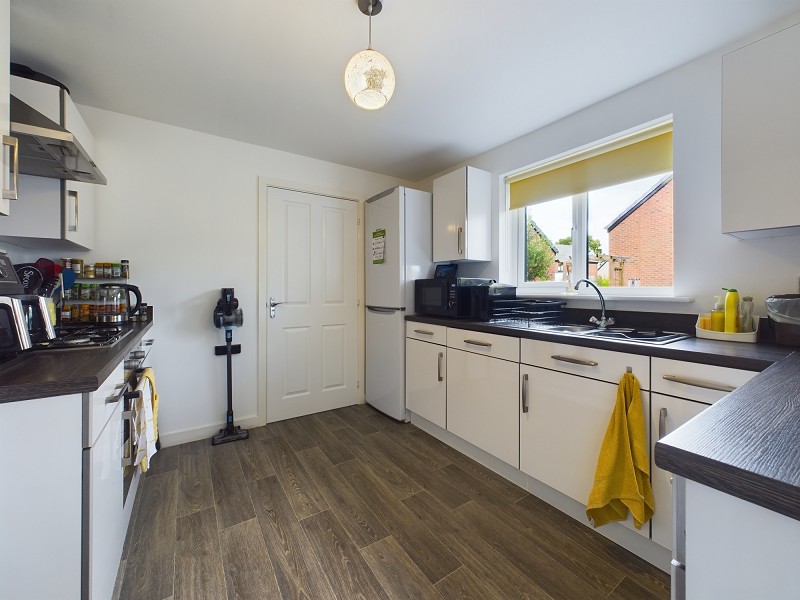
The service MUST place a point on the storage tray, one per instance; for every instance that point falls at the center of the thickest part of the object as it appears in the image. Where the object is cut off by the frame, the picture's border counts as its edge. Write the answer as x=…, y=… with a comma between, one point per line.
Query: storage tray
x=749, y=337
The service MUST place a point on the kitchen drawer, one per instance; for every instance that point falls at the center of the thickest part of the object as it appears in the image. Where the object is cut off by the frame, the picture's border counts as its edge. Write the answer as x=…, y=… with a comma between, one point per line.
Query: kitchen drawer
x=604, y=365
x=436, y=334
x=695, y=381
x=100, y=405
x=498, y=346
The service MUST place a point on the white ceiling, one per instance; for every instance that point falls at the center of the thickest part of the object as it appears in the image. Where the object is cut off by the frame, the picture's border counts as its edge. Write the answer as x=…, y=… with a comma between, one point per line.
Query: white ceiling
x=471, y=74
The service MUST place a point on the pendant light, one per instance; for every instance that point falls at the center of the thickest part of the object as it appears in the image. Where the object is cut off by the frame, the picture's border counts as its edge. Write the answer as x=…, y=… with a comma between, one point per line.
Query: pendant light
x=368, y=77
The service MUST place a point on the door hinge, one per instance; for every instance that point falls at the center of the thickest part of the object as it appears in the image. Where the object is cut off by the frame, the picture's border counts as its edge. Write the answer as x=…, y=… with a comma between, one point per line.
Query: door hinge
x=358, y=384
x=358, y=220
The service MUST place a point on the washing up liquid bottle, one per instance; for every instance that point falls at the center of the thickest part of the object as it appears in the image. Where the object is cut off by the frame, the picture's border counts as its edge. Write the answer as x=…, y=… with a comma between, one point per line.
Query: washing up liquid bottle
x=718, y=315
x=731, y=310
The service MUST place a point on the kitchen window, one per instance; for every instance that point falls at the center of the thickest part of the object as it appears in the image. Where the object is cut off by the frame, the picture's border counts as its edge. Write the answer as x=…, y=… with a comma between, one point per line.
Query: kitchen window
x=603, y=213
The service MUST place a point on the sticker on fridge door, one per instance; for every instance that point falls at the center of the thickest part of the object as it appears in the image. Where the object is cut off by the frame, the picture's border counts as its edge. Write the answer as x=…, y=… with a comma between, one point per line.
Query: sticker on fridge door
x=378, y=245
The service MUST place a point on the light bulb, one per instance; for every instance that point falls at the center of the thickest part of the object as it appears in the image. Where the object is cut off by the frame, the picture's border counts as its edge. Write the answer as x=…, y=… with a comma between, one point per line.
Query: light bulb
x=369, y=79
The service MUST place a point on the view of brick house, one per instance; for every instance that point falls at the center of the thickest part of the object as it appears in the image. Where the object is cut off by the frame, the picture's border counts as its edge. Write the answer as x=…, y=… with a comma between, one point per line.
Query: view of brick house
x=642, y=237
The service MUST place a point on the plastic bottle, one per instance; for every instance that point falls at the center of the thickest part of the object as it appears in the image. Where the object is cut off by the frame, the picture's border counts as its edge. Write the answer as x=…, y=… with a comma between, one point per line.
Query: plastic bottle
x=718, y=315
x=731, y=310
x=746, y=324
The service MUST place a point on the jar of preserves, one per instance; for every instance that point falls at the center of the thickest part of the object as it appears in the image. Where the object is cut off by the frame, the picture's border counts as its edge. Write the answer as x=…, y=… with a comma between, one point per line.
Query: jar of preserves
x=66, y=313
x=77, y=266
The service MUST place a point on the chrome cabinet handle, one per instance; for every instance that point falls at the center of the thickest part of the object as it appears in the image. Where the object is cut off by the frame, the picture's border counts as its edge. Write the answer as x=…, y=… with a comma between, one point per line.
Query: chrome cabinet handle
x=12, y=143
x=662, y=423
x=525, y=405
x=423, y=332
x=575, y=361
x=72, y=210
x=119, y=392
x=701, y=383
x=439, y=366
x=460, y=240
x=478, y=343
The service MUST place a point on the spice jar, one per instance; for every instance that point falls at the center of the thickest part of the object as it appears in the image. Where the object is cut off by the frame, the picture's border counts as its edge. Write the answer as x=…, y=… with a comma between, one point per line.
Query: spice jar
x=88, y=271
x=125, y=269
x=77, y=266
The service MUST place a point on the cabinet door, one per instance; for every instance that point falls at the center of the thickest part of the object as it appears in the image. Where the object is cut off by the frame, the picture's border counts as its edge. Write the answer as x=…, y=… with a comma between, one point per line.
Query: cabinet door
x=563, y=429
x=6, y=181
x=760, y=129
x=667, y=414
x=449, y=216
x=483, y=403
x=107, y=525
x=426, y=381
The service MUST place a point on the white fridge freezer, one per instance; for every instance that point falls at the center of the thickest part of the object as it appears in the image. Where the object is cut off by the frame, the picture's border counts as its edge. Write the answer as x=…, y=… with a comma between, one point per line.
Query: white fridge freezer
x=399, y=246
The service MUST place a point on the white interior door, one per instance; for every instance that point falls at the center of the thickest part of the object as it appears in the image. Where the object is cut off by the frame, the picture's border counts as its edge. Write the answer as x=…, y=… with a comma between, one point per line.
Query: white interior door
x=312, y=344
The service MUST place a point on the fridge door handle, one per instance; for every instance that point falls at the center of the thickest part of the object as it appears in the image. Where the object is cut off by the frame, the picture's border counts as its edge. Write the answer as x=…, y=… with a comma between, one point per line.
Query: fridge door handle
x=384, y=310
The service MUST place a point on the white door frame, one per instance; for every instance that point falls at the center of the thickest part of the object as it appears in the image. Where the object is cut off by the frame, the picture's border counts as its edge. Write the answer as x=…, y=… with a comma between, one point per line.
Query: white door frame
x=263, y=296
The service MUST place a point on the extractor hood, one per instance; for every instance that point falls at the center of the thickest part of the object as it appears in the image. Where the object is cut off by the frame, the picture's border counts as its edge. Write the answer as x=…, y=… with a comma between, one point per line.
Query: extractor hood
x=46, y=149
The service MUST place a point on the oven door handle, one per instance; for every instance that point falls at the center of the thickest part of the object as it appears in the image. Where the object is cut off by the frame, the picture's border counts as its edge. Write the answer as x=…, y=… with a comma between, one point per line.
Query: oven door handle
x=127, y=415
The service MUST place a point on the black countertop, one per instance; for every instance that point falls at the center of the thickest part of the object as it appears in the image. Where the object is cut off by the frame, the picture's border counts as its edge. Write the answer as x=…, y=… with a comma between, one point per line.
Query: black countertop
x=747, y=444
x=44, y=373
x=737, y=355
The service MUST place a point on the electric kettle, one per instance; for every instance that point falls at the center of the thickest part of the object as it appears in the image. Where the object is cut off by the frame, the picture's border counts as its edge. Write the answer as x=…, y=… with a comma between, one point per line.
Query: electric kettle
x=114, y=303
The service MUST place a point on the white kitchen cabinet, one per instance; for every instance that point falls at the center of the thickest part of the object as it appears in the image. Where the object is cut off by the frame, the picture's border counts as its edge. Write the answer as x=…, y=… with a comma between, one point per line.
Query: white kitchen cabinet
x=40, y=505
x=52, y=213
x=426, y=372
x=483, y=392
x=681, y=391
x=737, y=550
x=462, y=216
x=760, y=129
x=7, y=164
x=568, y=396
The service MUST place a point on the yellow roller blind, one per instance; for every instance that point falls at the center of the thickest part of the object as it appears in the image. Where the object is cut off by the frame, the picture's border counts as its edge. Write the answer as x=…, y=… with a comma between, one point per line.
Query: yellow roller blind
x=646, y=154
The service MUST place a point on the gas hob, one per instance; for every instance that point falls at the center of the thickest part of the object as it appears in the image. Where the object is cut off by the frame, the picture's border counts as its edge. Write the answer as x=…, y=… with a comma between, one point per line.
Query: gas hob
x=84, y=337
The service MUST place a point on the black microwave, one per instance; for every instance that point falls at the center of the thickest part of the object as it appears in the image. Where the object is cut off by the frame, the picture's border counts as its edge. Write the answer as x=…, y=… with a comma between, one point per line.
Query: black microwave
x=441, y=297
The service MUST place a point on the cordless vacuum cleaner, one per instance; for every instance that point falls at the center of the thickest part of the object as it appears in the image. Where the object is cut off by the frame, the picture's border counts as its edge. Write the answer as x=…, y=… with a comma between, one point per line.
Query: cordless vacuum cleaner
x=228, y=315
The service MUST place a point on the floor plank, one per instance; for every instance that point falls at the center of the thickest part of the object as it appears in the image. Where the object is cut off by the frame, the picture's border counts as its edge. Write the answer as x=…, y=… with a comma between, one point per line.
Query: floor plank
x=341, y=561
x=295, y=433
x=398, y=575
x=462, y=584
x=331, y=420
x=303, y=495
x=630, y=590
x=357, y=417
x=254, y=460
x=166, y=459
x=195, y=491
x=495, y=571
x=358, y=520
x=248, y=571
x=424, y=548
x=231, y=500
x=331, y=445
x=392, y=476
x=198, y=563
x=551, y=576
x=444, y=492
x=298, y=573
x=150, y=565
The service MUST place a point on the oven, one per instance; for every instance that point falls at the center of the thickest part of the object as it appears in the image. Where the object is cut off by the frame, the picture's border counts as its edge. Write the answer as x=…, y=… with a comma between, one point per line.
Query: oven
x=137, y=360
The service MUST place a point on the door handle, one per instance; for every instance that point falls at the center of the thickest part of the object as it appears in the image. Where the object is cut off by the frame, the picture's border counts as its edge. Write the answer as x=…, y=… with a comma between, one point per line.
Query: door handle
x=701, y=383
x=10, y=192
x=73, y=210
x=272, y=304
x=460, y=238
x=662, y=423
x=440, y=377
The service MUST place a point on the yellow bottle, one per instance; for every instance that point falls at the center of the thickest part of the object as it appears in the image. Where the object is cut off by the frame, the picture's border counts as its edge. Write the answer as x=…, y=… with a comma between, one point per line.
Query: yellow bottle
x=731, y=310
x=717, y=315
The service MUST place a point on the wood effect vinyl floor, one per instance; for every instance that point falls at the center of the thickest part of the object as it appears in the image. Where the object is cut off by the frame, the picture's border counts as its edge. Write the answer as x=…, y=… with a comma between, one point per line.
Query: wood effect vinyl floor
x=350, y=504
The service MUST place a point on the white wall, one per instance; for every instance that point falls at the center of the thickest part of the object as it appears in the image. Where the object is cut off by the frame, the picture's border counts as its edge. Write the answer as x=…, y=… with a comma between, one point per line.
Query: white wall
x=182, y=207
x=705, y=259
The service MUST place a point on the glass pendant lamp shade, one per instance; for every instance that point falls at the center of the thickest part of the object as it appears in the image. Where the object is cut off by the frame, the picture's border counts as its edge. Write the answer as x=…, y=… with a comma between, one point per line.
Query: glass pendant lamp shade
x=369, y=79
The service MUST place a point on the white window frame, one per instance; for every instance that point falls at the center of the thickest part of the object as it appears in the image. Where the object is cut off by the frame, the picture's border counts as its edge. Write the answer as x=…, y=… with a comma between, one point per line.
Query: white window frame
x=516, y=239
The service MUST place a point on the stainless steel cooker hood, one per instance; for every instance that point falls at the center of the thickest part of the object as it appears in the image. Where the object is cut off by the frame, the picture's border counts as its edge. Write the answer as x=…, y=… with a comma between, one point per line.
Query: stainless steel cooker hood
x=46, y=149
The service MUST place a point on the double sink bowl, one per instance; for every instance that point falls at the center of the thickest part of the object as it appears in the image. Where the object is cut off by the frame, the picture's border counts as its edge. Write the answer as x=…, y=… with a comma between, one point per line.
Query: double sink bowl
x=620, y=334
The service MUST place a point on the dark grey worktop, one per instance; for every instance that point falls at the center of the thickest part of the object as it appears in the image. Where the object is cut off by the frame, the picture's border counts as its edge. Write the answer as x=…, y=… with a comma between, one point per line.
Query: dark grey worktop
x=45, y=373
x=747, y=444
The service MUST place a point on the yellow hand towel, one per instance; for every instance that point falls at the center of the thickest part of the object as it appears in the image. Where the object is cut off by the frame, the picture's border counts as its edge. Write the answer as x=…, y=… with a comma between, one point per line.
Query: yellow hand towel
x=151, y=376
x=622, y=477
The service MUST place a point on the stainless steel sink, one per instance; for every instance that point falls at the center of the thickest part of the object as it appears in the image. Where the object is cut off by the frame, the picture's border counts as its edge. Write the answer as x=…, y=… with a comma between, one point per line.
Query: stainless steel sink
x=622, y=334
x=571, y=328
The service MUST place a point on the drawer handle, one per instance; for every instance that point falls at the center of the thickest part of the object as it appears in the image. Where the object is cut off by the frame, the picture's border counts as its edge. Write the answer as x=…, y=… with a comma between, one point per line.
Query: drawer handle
x=525, y=405
x=575, y=361
x=119, y=392
x=701, y=383
x=439, y=367
x=478, y=343
x=460, y=237
x=662, y=423
x=423, y=332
